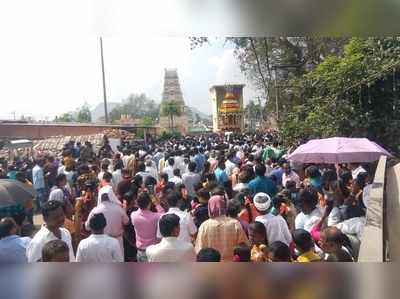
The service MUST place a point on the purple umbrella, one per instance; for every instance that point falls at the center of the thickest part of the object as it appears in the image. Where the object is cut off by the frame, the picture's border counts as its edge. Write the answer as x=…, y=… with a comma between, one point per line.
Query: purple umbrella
x=338, y=150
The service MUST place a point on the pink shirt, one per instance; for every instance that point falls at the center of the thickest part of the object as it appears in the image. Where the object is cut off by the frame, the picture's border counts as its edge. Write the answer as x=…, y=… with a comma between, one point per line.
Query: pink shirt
x=145, y=223
x=115, y=215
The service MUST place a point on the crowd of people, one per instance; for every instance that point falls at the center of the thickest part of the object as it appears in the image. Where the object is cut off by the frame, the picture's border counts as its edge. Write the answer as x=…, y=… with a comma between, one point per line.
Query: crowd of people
x=206, y=198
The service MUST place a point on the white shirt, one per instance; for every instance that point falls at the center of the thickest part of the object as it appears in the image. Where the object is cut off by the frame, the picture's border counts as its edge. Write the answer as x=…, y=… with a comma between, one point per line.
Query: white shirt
x=125, y=160
x=152, y=171
x=357, y=171
x=336, y=215
x=240, y=154
x=115, y=215
x=42, y=237
x=292, y=176
x=157, y=157
x=179, y=160
x=99, y=249
x=308, y=221
x=183, y=168
x=186, y=223
x=229, y=166
x=171, y=249
x=277, y=228
x=176, y=180
x=116, y=177
x=141, y=153
x=56, y=194
x=61, y=169
x=169, y=170
x=353, y=226
x=144, y=175
x=268, y=170
x=100, y=176
x=191, y=179
x=239, y=187
x=70, y=175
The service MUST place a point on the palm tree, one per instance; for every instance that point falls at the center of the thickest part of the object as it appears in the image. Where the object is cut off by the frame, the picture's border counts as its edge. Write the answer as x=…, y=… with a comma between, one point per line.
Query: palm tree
x=170, y=109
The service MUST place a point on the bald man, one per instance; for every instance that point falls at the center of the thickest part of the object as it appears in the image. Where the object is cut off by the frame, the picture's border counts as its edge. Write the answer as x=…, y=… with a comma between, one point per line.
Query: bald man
x=332, y=241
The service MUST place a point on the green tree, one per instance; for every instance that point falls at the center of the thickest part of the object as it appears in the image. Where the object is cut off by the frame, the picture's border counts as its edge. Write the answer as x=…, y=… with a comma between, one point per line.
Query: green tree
x=83, y=114
x=137, y=106
x=326, y=86
x=170, y=109
x=65, y=118
x=147, y=121
x=197, y=118
x=270, y=63
x=354, y=94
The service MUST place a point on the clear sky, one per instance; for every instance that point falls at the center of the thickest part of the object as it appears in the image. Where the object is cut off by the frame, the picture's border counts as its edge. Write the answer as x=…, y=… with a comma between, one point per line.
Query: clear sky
x=50, y=64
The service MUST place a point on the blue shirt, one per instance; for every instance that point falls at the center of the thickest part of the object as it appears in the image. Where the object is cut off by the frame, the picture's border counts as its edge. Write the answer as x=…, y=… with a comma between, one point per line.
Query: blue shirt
x=316, y=183
x=199, y=159
x=278, y=173
x=38, y=177
x=221, y=176
x=263, y=184
x=76, y=152
x=13, y=249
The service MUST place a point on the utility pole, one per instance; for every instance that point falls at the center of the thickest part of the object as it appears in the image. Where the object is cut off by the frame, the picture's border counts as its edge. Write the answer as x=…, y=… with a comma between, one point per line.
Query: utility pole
x=276, y=96
x=104, y=82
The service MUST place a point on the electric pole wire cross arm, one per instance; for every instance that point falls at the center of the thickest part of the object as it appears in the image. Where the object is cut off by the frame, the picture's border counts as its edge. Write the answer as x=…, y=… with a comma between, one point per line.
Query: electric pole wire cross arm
x=104, y=82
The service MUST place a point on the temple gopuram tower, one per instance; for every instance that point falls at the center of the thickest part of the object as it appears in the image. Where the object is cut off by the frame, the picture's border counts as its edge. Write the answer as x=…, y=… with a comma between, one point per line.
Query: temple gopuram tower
x=172, y=92
x=227, y=107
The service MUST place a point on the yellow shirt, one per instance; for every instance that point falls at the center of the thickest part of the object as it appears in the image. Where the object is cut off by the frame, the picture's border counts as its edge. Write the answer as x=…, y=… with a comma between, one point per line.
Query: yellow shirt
x=309, y=256
x=221, y=233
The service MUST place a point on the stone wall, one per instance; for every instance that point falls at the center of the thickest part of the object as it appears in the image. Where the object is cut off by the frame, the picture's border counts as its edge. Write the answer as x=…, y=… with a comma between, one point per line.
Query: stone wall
x=393, y=212
x=10, y=131
x=373, y=240
x=40, y=131
x=181, y=124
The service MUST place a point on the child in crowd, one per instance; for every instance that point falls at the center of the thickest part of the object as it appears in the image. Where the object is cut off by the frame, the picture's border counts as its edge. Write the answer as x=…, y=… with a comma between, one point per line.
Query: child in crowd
x=279, y=252
x=258, y=241
x=249, y=211
x=305, y=246
x=55, y=251
x=200, y=213
x=242, y=253
x=208, y=255
x=233, y=209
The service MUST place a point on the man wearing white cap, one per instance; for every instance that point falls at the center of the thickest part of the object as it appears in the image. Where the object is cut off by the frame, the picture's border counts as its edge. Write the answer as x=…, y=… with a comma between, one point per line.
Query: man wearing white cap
x=276, y=226
x=108, y=189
